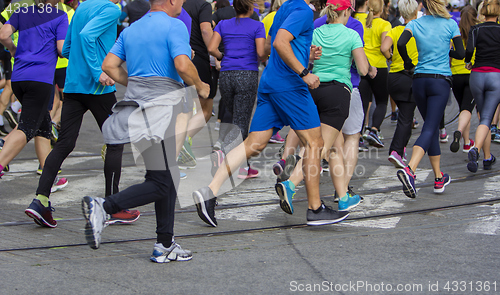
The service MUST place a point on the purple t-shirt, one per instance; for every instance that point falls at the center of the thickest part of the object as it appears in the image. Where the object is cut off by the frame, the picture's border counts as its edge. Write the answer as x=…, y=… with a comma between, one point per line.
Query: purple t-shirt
x=186, y=19
x=238, y=37
x=36, y=54
x=356, y=25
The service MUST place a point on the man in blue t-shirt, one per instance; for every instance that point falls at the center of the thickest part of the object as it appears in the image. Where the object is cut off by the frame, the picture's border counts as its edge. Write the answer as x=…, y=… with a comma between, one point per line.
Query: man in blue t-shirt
x=283, y=99
x=154, y=78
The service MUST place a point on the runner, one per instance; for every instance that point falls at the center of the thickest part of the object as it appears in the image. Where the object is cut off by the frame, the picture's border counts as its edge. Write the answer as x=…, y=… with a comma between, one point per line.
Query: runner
x=87, y=87
x=484, y=77
x=461, y=88
x=400, y=83
x=283, y=99
x=431, y=85
x=154, y=91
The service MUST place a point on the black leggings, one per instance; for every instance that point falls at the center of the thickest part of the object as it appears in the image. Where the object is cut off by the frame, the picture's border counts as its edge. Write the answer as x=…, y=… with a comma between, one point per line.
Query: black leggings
x=238, y=94
x=35, y=118
x=75, y=105
x=377, y=87
x=160, y=186
x=463, y=95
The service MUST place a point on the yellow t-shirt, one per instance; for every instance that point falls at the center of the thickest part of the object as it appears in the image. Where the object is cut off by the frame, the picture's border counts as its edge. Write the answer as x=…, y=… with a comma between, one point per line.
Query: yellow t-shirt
x=268, y=21
x=373, y=40
x=397, y=64
x=361, y=16
x=63, y=62
x=458, y=65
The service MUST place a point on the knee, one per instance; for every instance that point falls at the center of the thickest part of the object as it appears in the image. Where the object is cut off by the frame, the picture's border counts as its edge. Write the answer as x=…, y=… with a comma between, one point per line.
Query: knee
x=254, y=149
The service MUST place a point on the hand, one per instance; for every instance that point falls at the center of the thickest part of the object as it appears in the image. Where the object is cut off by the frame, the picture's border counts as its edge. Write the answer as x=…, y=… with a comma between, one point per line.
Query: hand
x=203, y=90
x=409, y=66
x=468, y=66
x=372, y=72
x=311, y=80
x=192, y=54
x=105, y=80
x=13, y=51
x=316, y=52
x=217, y=65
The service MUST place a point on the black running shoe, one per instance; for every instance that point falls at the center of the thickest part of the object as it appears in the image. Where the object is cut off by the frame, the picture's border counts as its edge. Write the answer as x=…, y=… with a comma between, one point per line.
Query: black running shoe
x=488, y=163
x=325, y=216
x=455, y=144
x=473, y=159
x=205, y=202
x=11, y=117
x=3, y=131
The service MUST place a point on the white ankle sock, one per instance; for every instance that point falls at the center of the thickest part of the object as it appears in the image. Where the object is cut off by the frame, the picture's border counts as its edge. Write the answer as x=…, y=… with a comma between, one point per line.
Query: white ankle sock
x=16, y=106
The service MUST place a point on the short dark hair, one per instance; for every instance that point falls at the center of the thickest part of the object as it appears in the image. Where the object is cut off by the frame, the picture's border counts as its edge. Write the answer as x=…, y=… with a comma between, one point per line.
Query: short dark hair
x=242, y=6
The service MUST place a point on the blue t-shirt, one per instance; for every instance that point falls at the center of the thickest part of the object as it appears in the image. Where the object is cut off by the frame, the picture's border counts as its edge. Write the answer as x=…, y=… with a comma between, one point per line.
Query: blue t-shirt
x=36, y=54
x=154, y=41
x=238, y=37
x=433, y=36
x=296, y=17
x=186, y=19
x=357, y=26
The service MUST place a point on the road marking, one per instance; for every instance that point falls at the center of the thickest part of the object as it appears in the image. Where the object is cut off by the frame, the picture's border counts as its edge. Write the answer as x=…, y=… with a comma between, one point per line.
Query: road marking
x=384, y=223
x=486, y=225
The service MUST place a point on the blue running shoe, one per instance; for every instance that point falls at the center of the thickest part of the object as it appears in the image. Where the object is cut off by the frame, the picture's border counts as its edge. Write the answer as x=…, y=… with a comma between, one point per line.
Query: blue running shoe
x=286, y=193
x=183, y=175
x=473, y=158
x=351, y=202
x=407, y=177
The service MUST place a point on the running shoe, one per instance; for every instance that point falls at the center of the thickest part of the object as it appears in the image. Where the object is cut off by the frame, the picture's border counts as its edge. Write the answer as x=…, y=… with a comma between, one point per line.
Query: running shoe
x=407, y=177
x=455, y=144
x=443, y=136
x=6, y=168
x=326, y=215
x=54, y=134
x=183, y=175
x=494, y=130
x=276, y=139
x=205, y=202
x=488, y=163
x=216, y=157
x=365, y=134
x=217, y=146
x=59, y=183
x=396, y=160
x=96, y=216
x=290, y=163
x=441, y=183
x=282, y=148
x=172, y=253
x=415, y=123
x=186, y=159
x=473, y=159
x=286, y=193
x=349, y=191
x=3, y=131
x=217, y=126
x=11, y=117
x=325, y=165
x=374, y=139
x=351, y=202
x=495, y=137
x=39, y=171
x=124, y=216
x=467, y=147
x=248, y=172
x=394, y=117
x=379, y=134
x=278, y=167
x=41, y=215
x=362, y=145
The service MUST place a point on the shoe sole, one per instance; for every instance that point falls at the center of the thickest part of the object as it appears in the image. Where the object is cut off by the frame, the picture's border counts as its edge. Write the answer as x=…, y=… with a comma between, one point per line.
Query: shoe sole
x=443, y=140
x=123, y=221
x=277, y=169
x=285, y=205
x=55, y=188
x=38, y=218
x=275, y=141
x=396, y=162
x=473, y=165
x=92, y=240
x=291, y=162
x=409, y=191
x=248, y=176
x=455, y=145
x=10, y=118
x=215, y=158
x=441, y=190
x=325, y=222
x=202, y=210
x=374, y=142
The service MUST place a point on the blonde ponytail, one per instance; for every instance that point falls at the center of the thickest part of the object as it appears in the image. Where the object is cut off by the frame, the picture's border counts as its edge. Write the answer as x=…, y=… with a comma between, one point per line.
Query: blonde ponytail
x=374, y=7
x=438, y=8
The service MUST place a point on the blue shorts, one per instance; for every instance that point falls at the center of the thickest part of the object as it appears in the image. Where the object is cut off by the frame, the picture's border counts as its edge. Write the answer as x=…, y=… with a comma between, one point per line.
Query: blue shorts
x=275, y=110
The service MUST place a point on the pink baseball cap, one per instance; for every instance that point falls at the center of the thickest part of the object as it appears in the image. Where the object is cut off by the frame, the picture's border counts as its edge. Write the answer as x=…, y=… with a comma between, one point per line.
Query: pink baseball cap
x=343, y=4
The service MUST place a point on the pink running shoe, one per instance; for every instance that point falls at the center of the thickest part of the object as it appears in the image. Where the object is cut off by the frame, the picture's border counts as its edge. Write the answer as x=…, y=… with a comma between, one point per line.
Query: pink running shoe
x=276, y=139
x=467, y=147
x=59, y=183
x=396, y=160
x=246, y=173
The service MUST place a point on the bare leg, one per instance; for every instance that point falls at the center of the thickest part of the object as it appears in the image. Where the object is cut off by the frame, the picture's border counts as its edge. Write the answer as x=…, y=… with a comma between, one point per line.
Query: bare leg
x=181, y=126
x=5, y=97
x=416, y=156
x=464, y=125
x=12, y=147
x=482, y=132
x=351, y=152
x=42, y=148
x=203, y=114
x=436, y=165
x=336, y=163
x=292, y=141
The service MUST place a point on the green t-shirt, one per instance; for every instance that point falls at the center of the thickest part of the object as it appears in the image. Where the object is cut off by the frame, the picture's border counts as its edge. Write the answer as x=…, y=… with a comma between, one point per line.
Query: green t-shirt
x=338, y=42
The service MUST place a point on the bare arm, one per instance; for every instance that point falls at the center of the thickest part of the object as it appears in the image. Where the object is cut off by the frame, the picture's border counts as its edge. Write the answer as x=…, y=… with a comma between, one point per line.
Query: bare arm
x=385, y=48
x=112, y=66
x=361, y=61
x=189, y=74
x=5, y=32
x=206, y=32
x=260, y=46
x=267, y=45
x=60, y=45
x=285, y=51
x=213, y=46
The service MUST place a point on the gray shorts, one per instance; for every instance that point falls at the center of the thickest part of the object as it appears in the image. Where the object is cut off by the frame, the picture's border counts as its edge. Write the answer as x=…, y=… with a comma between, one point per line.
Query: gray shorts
x=354, y=122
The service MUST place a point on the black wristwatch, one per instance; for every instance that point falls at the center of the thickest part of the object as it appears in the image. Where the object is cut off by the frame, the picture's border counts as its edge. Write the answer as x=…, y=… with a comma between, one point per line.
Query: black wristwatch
x=221, y=56
x=304, y=73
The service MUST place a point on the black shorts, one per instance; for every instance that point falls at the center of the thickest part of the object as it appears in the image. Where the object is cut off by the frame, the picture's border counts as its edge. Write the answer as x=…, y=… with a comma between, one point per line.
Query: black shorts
x=35, y=118
x=399, y=86
x=203, y=67
x=7, y=65
x=332, y=100
x=60, y=78
x=463, y=95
